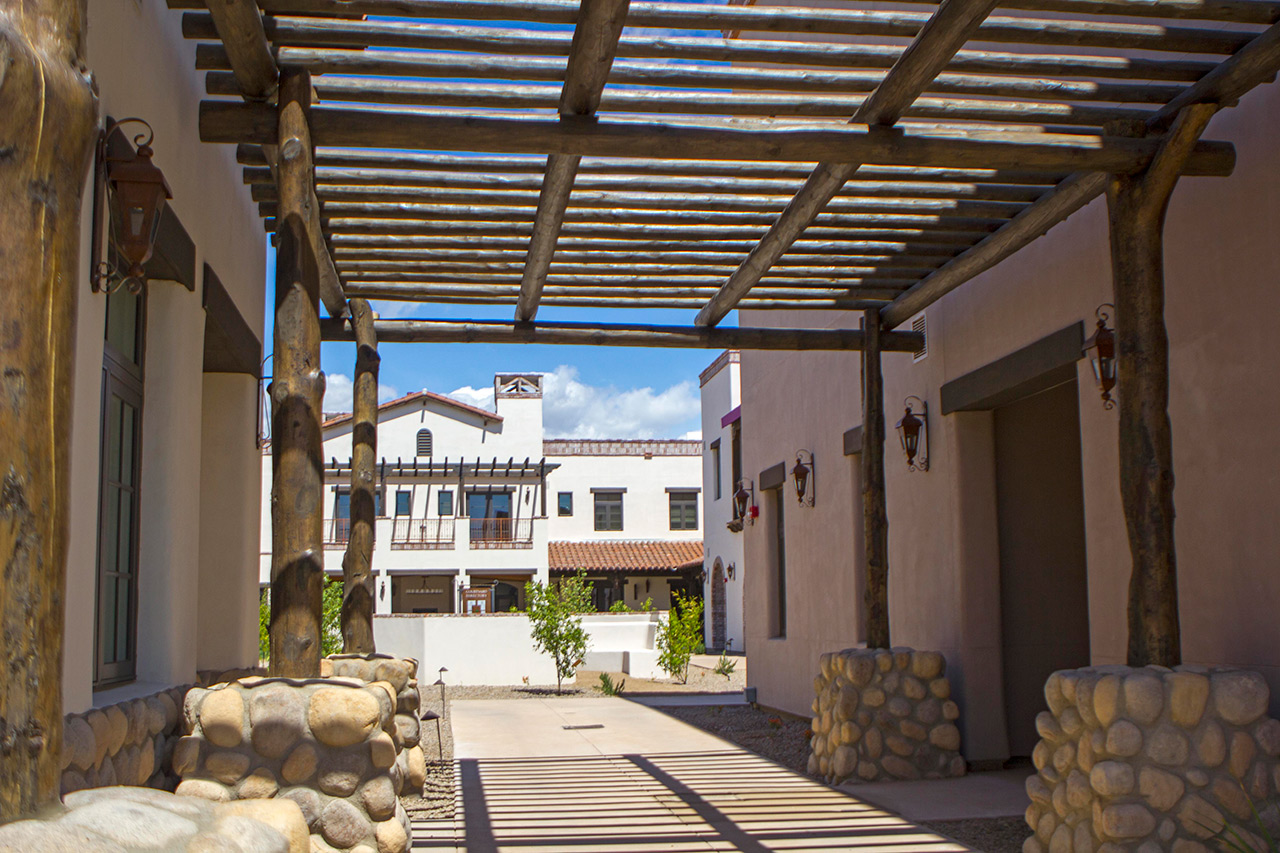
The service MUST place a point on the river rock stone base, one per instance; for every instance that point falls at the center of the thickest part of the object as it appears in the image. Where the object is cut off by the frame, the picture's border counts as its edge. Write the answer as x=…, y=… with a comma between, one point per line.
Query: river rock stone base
x=884, y=715
x=331, y=745
x=144, y=820
x=1150, y=759
x=124, y=744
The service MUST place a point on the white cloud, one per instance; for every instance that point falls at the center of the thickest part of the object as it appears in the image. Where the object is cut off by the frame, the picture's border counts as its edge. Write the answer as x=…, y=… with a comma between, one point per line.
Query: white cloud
x=693, y=435
x=338, y=391
x=573, y=409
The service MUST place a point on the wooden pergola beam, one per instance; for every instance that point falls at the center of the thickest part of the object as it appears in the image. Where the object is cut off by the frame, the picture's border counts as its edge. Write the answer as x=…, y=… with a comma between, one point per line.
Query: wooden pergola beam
x=607, y=334
x=920, y=63
x=708, y=272
x=826, y=21
x=1254, y=64
x=356, y=618
x=591, y=52
x=957, y=147
x=344, y=33
x=391, y=257
x=404, y=230
x=624, y=286
x=372, y=245
x=453, y=295
x=875, y=516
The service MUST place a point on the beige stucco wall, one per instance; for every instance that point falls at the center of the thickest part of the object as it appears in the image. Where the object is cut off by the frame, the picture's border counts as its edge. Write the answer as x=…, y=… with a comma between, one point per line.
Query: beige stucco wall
x=944, y=593
x=143, y=67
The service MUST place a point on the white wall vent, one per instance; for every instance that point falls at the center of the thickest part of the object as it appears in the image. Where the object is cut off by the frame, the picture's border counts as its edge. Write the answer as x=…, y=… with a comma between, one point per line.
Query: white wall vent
x=918, y=325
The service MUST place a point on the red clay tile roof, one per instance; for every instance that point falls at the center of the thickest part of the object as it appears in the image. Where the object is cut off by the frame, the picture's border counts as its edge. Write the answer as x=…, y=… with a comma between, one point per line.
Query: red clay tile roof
x=418, y=395
x=625, y=555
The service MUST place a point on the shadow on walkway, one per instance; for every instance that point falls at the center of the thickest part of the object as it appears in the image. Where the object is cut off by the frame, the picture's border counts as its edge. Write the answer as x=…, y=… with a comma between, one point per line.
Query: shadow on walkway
x=687, y=801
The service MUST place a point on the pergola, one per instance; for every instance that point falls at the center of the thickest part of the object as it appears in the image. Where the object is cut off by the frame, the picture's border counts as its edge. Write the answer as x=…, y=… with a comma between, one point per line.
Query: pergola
x=745, y=157
x=476, y=151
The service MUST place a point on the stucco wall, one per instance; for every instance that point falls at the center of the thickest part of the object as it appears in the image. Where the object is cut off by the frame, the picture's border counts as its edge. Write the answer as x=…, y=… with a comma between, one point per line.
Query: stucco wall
x=143, y=67
x=944, y=558
x=646, y=510
x=721, y=394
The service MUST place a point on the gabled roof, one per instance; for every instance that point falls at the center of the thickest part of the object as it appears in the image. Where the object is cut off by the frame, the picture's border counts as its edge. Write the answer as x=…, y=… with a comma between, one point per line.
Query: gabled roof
x=624, y=556
x=485, y=414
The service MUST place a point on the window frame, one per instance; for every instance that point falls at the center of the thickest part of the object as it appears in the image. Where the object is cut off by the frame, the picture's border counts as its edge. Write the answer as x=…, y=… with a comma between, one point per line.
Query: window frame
x=441, y=496
x=603, y=499
x=685, y=497
x=717, y=491
x=561, y=510
x=408, y=495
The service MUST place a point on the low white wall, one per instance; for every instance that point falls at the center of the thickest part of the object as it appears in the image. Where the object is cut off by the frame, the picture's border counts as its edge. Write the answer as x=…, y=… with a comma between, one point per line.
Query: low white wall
x=498, y=648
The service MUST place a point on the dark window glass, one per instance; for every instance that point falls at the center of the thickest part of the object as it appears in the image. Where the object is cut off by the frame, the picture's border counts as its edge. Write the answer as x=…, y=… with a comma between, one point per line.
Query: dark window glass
x=564, y=501
x=735, y=456
x=715, y=470
x=780, y=565
x=444, y=504
x=608, y=510
x=684, y=510
x=404, y=503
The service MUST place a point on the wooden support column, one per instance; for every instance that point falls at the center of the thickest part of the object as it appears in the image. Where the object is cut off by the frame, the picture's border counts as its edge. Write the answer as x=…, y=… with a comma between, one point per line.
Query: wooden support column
x=875, y=518
x=357, y=563
x=46, y=138
x=297, y=555
x=1136, y=205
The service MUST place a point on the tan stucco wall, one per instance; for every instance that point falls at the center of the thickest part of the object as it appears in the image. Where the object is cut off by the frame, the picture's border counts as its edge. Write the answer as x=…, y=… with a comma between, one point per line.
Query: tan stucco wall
x=1222, y=300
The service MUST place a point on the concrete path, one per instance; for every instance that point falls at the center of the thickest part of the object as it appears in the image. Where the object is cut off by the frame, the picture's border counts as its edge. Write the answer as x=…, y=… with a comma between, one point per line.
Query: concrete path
x=607, y=775
x=1000, y=793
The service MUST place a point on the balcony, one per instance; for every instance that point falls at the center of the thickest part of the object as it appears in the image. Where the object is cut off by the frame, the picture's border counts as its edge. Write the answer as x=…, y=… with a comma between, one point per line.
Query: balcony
x=337, y=532
x=496, y=533
x=422, y=534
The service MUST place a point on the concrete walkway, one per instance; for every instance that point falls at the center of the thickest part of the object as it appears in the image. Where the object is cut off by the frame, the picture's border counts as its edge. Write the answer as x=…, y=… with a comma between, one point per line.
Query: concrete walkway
x=605, y=774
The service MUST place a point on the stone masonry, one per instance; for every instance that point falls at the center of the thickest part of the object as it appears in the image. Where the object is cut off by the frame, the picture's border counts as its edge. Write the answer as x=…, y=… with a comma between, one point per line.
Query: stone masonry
x=1150, y=759
x=331, y=745
x=884, y=715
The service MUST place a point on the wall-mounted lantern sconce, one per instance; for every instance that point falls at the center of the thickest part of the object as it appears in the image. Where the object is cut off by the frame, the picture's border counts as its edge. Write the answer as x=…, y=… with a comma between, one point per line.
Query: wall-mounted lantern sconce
x=914, y=432
x=1101, y=350
x=803, y=476
x=744, y=505
x=730, y=572
x=135, y=192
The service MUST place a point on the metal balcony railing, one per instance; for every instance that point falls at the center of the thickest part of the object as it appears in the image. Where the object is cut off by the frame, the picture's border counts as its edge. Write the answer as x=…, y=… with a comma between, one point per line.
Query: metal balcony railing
x=501, y=533
x=422, y=534
x=337, y=532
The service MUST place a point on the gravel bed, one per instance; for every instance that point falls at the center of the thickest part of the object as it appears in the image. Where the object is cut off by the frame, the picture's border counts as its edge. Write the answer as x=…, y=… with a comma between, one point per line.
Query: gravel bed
x=990, y=835
x=778, y=738
x=438, y=795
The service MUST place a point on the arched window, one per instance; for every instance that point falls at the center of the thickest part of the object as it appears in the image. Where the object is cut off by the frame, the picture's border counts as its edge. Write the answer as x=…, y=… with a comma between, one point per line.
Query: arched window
x=424, y=442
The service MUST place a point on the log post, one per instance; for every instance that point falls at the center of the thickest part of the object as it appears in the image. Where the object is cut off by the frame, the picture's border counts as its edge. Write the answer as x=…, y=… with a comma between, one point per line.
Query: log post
x=875, y=517
x=297, y=555
x=1136, y=205
x=46, y=138
x=357, y=563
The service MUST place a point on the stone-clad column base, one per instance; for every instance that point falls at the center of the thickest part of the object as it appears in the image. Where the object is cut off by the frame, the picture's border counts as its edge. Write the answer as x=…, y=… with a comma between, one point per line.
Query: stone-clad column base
x=1150, y=759
x=884, y=715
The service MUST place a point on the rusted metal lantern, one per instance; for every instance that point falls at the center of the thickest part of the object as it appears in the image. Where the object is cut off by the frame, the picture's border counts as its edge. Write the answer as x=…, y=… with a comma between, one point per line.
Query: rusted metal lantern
x=802, y=475
x=1101, y=350
x=744, y=504
x=136, y=192
x=913, y=431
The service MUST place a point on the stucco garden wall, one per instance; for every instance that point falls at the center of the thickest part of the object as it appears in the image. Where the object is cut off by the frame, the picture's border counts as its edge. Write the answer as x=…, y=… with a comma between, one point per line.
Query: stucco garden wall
x=1150, y=759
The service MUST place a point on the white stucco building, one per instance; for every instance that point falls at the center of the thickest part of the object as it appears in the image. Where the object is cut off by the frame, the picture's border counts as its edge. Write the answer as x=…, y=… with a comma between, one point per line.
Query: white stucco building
x=721, y=475
x=472, y=504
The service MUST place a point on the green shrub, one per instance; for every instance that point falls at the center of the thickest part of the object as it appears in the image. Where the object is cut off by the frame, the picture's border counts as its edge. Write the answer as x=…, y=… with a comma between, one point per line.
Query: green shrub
x=608, y=687
x=680, y=637
x=330, y=621
x=619, y=606
x=555, y=617
x=724, y=666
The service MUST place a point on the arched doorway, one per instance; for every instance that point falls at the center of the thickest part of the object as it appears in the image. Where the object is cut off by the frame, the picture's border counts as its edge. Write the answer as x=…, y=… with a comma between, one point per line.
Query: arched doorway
x=717, y=606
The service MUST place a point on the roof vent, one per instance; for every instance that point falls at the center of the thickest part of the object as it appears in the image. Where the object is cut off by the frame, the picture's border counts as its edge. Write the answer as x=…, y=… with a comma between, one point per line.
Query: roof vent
x=918, y=325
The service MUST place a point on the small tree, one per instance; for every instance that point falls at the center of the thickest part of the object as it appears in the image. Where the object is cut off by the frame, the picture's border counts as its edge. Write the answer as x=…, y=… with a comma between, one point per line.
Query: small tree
x=331, y=617
x=555, y=615
x=680, y=637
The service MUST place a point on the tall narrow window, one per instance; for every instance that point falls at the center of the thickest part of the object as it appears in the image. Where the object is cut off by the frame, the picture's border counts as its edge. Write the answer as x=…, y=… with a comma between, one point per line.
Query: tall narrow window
x=608, y=510
x=118, y=490
x=779, y=608
x=424, y=442
x=735, y=457
x=404, y=502
x=564, y=503
x=715, y=469
x=684, y=510
x=444, y=503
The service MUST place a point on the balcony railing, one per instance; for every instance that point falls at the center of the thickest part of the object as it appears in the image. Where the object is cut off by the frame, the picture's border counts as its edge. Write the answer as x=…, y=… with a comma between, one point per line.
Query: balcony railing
x=422, y=534
x=501, y=533
x=337, y=532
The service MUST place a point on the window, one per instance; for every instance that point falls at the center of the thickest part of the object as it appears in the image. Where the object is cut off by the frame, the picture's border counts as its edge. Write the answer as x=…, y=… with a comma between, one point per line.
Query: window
x=424, y=442
x=715, y=469
x=564, y=502
x=404, y=503
x=119, y=490
x=778, y=616
x=608, y=510
x=342, y=504
x=735, y=457
x=444, y=504
x=684, y=510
